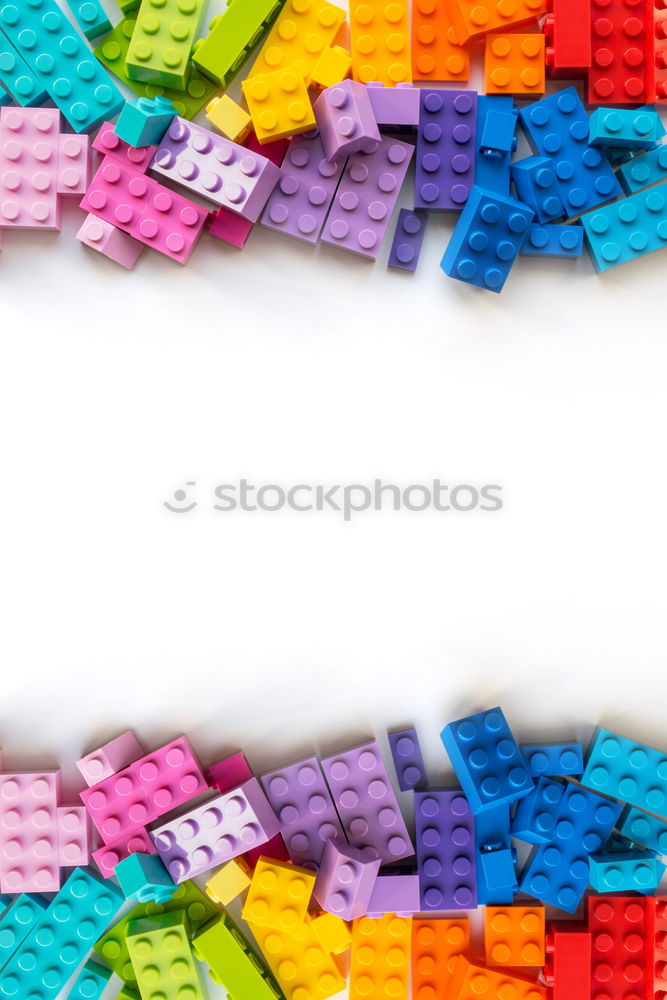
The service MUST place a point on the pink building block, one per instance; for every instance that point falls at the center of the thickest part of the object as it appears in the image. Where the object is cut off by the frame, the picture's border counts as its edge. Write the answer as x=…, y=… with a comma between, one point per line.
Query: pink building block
x=74, y=165
x=29, y=832
x=345, y=120
x=397, y=894
x=110, y=241
x=107, y=857
x=29, y=168
x=229, y=227
x=118, y=194
x=118, y=806
x=73, y=836
x=171, y=224
x=111, y=757
x=345, y=880
x=109, y=144
x=171, y=776
x=394, y=107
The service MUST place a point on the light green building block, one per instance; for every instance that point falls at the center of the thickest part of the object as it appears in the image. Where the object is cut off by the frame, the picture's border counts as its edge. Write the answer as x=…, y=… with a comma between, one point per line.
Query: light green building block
x=232, y=962
x=162, y=958
x=231, y=36
x=162, y=41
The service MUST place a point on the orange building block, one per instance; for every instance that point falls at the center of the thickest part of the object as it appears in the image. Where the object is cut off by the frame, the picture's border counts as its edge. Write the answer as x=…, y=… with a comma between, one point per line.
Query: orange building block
x=514, y=64
x=473, y=18
x=436, y=944
x=514, y=935
x=380, y=41
x=436, y=55
x=380, y=959
x=475, y=982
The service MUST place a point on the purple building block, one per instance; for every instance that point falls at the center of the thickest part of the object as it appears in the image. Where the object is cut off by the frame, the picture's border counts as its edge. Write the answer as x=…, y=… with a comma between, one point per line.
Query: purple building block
x=407, y=756
x=345, y=880
x=445, y=160
x=303, y=804
x=366, y=802
x=445, y=835
x=397, y=894
x=345, y=120
x=215, y=168
x=366, y=197
x=394, y=107
x=404, y=254
x=298, y=205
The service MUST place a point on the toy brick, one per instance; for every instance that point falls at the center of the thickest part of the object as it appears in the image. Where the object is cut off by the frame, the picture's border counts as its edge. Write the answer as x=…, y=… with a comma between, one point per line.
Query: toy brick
x=232, y=962
x=74, y=165
x=112, y=146
x=345, y=120
x=171, y=224
x=496, y=135
x=143, y=122
x=91, y=17
x=332, y=932
x=29, y=168
x=404, y=745
x=514, y=64
x=617, y=71
x=222, y=53
x=567, y=970
x=345, y=880
x=644, y=171
x=445, y=159
x=557, y=126
x=616, y=766
x=229, y=882
x=436, y=54
x=61, y=938
x=380, y=958
x=481, y=747
x=535, y=815
x=444, y=834
x=229, y=227
x=436, y=944
x=656, y=51
x=625, y=871
x=514, y=935
x=553, y=759
x=229, y=118
x=394, y=108
x=302, y=32
x=124, y=250
x=160, y=951
x=536, y=185
x=655, y=969
x=61, y=61
x=553, y=241
x=18, y=78
x=279, y=895
x=362, y=792
x=641, y=828
x=229, y=773
x=364, y=202
x=495, y=142
x=625, y=128
x=90, y=983
x=162, y=40
x=495, y=856
x=73, y=836
x=299, y=204
x=469, y=982
x=567, y=29
x=380, y=41
x=279, y=104
x=617, y=926
x=109, y=855
x=333, y=66
x=29, y=831
x=397, y=894
x=143, y=877
x=301, y=966
x=171, y=775
x=17, y=922
x=470, y=18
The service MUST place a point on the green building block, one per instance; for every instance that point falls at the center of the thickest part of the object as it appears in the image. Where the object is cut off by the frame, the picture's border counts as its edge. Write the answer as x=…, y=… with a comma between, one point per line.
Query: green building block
x=162, y=41
x=231, y=36
x=127, y=6
x=91, y=17
x=232, y=962
x=162, y=958
x=128, y=993
x=112, y=52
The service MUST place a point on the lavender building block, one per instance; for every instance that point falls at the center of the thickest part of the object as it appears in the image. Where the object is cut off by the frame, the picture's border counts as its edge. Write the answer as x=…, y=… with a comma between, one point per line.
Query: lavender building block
x=299, y=203
x=302, y=801
x=397, y=894
x=445, y=158
x=366, y=802
x=404, y=254
x=445, y=836
x=345, y=120
x=215, y=168
x=394, y=107
x=345, y=880
x=406, y=753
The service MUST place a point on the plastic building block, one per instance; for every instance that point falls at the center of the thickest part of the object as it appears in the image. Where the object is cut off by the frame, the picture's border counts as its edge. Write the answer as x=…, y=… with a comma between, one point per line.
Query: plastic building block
x=171, y=225
x=548, y=759
x=557, y=872
x=345, y=120
x=112, y=146
x=230, y=772
x=380, y=959
x=567, y=970
x=18, y=78
x=298, y=205
x=497, y=133
x=144, y=122
x=229, y=118
x=557, y=126
x=495, y=142
x=397, y=894
x=618, y=927
x=279, y=104
x=90, y=983
x=113, y=246
x=17, y=922
x=656, y=51
x=404, y=745
x=163, y=962
x=362, y=792
x=481, y=747
x=302, y=32
x=640, y=828
x=215, y=168
x=615, y=765
x=514, y=64
x=436, y=944
x=553, y=241
x=535, y=182
x=29, y=169
x=469, y=982
x=279, y=895
x=143, y=877
x=361, y=212
x=301, y=966
x=163, y=36
x=128, y=993
x=643, y=171
x=470, y=18
x=380, y=41
x=444, y=834
x=229, y=227
x=655, y=970
x=514, y=935
x=625, y=871
x=91, y=17
x=404, y=254
x=333, y=66
x=232, y=34
x=535, y=815
x=445, y=160
x=617, y=71
x=218, y=830
x=61, y=938
x=232, y=962
x=112, y=53
x=394, y=108
x=496, y=877
x=73, y=836
x=74, y=167
x=61, y=61
x=436, y=54
x=345, y=880
x=625, y=128
x=229, y=882
x=567, y=29
x=332, y=932
x=29, y=830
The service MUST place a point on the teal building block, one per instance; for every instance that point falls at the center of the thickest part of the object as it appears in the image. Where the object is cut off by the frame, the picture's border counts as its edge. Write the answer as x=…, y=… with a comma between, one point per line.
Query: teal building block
x=5, y=900
x=553, y=241
x=144, y=877
x=144, y=122
x=628, y=871
x=91, y=982
x=641, y=828
x=61, y=938
x=5, y=101
x=625, y=128
x=18, y=78
x=616, y=766
x=615, y=234
x=644, y=171
x=91, y=17
x=63, y=64
x=17, y=922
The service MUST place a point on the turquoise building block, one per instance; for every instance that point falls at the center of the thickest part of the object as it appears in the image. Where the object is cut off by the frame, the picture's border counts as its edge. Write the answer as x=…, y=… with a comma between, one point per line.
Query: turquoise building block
x=625, y=128
x=617, y=766
x=17, y=922
x=144, y=122
x=640, y=828
x=18, y=78
x=644, y=171
x=628, y=871
x=62, y=937
x=77, y=84
x=91, y=17
x=554, y=241
x=144, y=877
x=91, y=982
x=615, y=234
x=5, y=900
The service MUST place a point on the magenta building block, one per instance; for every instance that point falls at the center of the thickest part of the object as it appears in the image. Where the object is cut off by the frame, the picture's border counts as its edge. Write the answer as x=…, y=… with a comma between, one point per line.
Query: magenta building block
x=229, y=227
x=216, y=168
x=73, y=836
x=229, y=773
x=408, y=761
x=345, y=880
x=29, y=859
x=107, y=857
x=29, y=168
x=366, y=802
x=74, y=165
x=445, y=158
x=404, y=255
x=171, y=775
x=111, y=242
x=345, y=120
x=394, y=107
x=171, y=224
x=109, y=144
x=118, y=194
x=302, y=801
x=299, y=203
x=445, y=836
x=110, y=758
x=397, y=894
x=366, y=197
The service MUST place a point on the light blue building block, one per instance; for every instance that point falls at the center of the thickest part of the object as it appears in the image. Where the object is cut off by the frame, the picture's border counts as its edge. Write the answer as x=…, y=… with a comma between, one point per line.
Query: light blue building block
x=615, y=234
x=554, y=241
x=145, y=121
x=91, y=982
x=643, y=171
x=144, y=877
x=17, y=922
x=625, y=128
x=534, y=180
x=496, y=130
x=629, y=871
x=18, y=78
x=91, y=17
x=617, y=766
x=640, y=828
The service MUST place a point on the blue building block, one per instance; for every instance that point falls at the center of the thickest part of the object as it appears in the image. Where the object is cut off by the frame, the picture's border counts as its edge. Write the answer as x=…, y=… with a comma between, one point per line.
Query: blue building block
x=545, y=760
x=74, y=80
x=557, y=126
x=145, y=121
x=90, y=982
x=408, y=238
x=144, y=877
x=498, y=133
x=66, y=931
x=486, y=241
x=625, y=128
x=557, y=872
x=18, y=78
x=17, y=922
x=91, y=17
x=486, y=758
x=553, y=241
x=408, y=760
x=534, y=180
x=643, y=171
x=496, y=858
x=535, y=815
x=626, y=770
x=445, y=153
x=492, y=164
x=640, y=828
x=628, y=229
x=628, y=871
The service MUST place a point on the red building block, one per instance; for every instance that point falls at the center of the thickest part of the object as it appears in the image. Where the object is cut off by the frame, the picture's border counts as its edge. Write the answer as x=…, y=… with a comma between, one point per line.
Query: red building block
x=618, y=39
x=567, y=27
x=568, y=966
x=618, y=934
x=656, y=51
x=656, y=948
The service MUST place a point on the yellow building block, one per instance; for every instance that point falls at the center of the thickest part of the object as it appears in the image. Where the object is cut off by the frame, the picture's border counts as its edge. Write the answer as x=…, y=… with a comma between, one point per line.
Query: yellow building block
x=234, y=877
x=302, y=32
x=333, y=66
x=279, y=895
x=380, y=961
x=514, y=64
x=304, y=970
x=473, y=18
x=278, y=104
x=332, y=932
x=380, y=41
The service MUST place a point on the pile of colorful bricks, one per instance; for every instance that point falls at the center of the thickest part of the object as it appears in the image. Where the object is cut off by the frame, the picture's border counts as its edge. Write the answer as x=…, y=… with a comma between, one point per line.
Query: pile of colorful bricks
x=306, y=880
x=321, y=146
